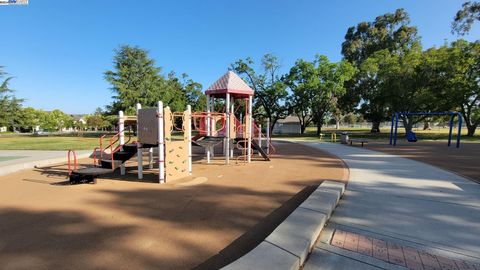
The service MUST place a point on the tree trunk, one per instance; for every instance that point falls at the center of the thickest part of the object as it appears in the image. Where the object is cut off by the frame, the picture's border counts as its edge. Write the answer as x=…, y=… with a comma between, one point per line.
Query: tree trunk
x=272, y=124
x=426, y=125
x=407, y=124
x=301, y=120
x=375, y=127
x=319, y=123
x=471, y=130
x=302, y=128
x=337, y=123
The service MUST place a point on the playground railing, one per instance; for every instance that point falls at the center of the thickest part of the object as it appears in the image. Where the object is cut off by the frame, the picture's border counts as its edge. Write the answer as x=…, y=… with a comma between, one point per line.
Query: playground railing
x=113, y=150
x=70, y=151
x=200, y=120
x=102, y=149
x=242, y=145
x=257, y=132
x=95, y=156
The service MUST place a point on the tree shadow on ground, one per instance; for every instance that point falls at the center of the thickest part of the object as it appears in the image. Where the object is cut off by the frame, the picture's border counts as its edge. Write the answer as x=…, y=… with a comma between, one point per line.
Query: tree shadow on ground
x=124, y=226
x=182, y=227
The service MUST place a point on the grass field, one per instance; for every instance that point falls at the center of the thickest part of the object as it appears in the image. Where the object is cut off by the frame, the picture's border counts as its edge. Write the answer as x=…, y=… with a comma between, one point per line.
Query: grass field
x=428, y=135
x=91, y=140
x=47, y=143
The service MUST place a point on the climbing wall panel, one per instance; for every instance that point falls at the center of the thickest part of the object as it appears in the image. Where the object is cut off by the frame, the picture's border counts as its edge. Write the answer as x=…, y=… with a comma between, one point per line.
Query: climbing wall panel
x=176, y=151
x=176, y=160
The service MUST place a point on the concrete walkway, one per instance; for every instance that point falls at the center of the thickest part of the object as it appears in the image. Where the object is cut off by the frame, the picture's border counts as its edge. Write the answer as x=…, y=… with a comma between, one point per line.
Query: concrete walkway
x=404, y=202
x=17, y=160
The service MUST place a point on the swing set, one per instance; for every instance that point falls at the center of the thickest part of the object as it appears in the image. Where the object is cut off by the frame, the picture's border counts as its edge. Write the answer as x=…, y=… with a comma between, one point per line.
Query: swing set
x=411, y=137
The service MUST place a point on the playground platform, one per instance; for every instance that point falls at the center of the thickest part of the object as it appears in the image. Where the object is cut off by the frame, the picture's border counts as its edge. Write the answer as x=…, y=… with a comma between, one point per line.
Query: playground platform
x=17, y=160
x=399, y=213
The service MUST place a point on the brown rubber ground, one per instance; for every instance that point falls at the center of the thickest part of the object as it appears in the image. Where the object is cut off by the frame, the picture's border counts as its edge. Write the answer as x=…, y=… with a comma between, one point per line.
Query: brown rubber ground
x=464, y=161
x=205, y=221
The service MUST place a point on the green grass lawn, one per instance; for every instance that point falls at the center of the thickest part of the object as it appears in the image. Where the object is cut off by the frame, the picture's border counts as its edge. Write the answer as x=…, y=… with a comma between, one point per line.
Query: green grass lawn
x=90, y=141
x=427, y=135
x=84, y=141
x=47, y=143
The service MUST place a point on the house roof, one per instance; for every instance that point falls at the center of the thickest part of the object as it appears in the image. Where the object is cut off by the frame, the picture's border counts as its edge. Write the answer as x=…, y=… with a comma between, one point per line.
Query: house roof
x=78, y=117
x=232, y=84
x=291, y=119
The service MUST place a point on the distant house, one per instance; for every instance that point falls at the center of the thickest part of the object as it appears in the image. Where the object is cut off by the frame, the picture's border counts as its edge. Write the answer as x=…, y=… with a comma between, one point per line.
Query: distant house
x=289, y=125
x=3, y=129
x=77, y=118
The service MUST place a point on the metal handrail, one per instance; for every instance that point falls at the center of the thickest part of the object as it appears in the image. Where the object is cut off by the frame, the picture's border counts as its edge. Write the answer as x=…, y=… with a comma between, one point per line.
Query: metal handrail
x=269, y=141
x=112, y=151
x=74, y=161
x=115, y=135
x=95, y=156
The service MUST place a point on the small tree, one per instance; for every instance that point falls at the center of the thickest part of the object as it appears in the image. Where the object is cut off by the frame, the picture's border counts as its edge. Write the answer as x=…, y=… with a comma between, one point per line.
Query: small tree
x=350, y=119
x=301, y=80
x=318, y=85
x=271, y=93
x=30, y=119
x=95, y=121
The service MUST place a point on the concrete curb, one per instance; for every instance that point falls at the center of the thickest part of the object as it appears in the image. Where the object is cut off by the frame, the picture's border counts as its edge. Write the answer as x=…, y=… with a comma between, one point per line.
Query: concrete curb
x=4, y=170
x=288, y=246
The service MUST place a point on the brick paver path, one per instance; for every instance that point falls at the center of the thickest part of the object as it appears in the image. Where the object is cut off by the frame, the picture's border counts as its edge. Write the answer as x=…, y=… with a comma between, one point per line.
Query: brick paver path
x=397, y=254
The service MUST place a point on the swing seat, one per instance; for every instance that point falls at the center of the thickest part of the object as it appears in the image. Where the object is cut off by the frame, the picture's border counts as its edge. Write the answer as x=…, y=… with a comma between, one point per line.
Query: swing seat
x=411, y=136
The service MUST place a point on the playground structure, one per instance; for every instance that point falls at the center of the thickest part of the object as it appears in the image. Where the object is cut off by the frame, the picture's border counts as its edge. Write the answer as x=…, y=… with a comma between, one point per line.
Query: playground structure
x=246, y=135
x=157, y=128
x=411, y=136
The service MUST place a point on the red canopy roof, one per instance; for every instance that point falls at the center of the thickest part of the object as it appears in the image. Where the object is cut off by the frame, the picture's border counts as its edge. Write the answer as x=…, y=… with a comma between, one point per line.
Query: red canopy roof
x=230, y=83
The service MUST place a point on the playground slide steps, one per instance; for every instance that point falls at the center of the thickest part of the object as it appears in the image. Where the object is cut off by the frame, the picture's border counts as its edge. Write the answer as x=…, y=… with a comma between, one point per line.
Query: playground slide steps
x=288, y=246
x=107, y=164
x=88, y=175
x=119, y=157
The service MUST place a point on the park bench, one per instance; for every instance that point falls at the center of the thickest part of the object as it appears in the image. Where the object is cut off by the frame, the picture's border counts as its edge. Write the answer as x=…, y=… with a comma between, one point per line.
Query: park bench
x=362, y=141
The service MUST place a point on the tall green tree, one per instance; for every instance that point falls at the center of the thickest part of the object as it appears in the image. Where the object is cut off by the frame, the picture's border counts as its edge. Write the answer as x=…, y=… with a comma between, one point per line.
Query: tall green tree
x=10, y=106
x=400, y=87
x=271, y=95
x=463, y=81
x=136, y=79
x=390, y=32
x=465, y=17
x=316, y=87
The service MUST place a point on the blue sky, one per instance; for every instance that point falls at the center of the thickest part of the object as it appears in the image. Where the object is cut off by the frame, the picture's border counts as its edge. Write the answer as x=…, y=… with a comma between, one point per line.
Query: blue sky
x=58, y=50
